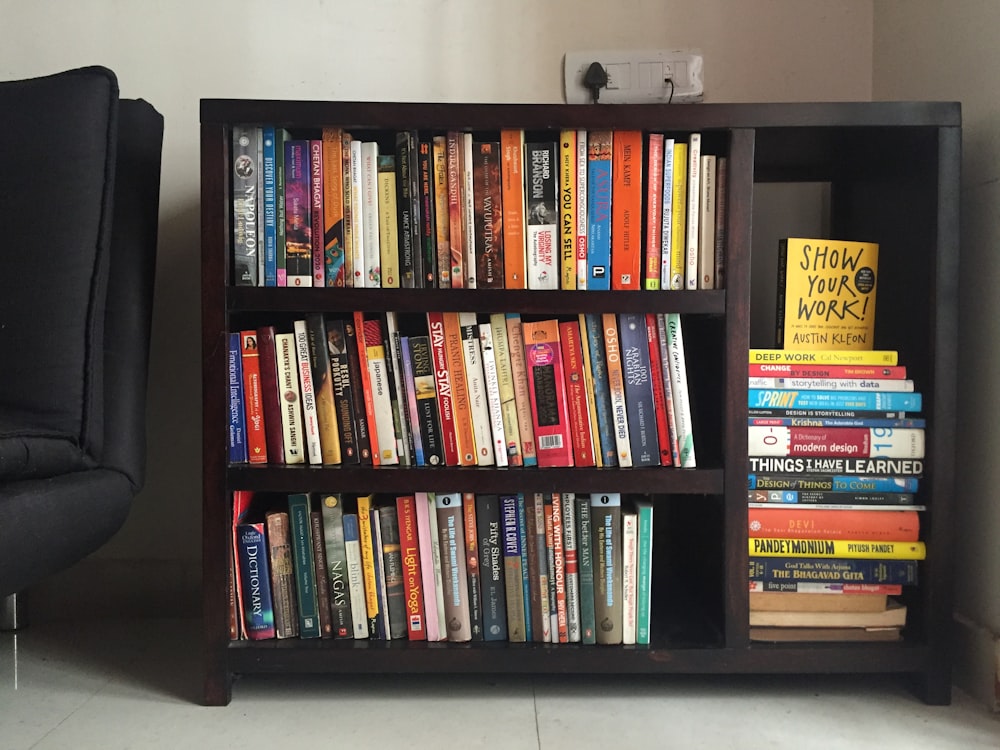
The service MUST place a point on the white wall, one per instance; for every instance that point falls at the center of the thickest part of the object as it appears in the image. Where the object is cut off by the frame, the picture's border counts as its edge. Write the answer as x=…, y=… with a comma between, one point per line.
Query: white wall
x=174, y=53
x=932, y=50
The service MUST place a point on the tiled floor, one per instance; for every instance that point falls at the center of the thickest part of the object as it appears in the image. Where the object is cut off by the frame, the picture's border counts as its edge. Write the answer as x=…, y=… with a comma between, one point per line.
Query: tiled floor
x=137, y=684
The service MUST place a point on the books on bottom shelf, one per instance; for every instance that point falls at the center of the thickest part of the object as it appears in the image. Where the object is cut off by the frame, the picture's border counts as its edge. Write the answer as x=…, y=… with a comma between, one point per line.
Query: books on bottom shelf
x=556, y=568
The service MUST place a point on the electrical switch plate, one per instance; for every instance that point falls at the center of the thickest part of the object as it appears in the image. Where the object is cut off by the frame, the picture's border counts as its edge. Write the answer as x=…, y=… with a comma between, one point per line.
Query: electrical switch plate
x=637, y=76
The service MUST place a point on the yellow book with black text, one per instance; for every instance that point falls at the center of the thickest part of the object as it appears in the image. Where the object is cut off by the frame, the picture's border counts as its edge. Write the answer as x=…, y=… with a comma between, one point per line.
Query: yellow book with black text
x=847, y=548
x=820, y=357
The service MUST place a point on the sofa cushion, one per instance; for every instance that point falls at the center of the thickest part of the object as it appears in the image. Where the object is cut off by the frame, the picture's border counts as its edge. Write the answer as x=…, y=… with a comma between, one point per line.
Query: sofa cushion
x=55, y=188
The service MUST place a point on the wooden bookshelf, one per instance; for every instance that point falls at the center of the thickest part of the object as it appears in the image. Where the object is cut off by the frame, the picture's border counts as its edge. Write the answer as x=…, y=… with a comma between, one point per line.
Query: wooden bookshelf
x=893, y=169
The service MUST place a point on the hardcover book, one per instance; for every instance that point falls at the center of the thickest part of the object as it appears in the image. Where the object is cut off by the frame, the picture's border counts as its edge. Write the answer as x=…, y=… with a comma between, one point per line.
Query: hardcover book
x=888, y=467
x=826, y=293
x=258, y=607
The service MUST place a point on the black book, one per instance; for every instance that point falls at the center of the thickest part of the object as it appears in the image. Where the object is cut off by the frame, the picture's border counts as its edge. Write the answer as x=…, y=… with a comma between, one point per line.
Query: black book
x=411, y=261
x=425, y=392
x=428, y=221
x=357, y=397
x=343, y=398
x=491, y=565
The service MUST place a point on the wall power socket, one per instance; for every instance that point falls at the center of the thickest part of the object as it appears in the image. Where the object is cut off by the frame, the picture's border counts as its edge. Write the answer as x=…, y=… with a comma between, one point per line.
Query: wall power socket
x=637, y=76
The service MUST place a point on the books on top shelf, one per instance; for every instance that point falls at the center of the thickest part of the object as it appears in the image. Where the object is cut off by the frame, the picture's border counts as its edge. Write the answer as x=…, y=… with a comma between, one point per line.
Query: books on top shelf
x=571, y=209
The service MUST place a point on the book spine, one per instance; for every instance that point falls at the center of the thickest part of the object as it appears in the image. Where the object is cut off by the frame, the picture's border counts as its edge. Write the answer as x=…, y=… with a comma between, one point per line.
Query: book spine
x=382, y=623
x=833, y=372
x=668, y=389
x=522, y=535
x=355, y=577
x=343, y=392
x=547, y=388
x=237, y=410
x=605, y=511
x=644, y=572
x=245, y=205
x=914, y=424
x=582, y=217
x=494, y=406
x=814, y=523
x=656, y=373
x=269, y=209
x=392, y=563
x=322, y=377
x=666, y=213
x=476, y=385
x=332, y=514
x=584, y=535
x=823, y=497
x=370, y=214
x=413, y=580
x=847, y=548
x=366, y=539
x=270, y=394
x=599, y=203
x=833, y=384
x=630, y=560
x=887, y=467
x=588, y=386
x=469, y=213
x=298, y=216
x=506, y=390
x=835, y=589
x=473, y=573
x=436, y=562
x=397, y=392
x=408, y=211
x=280, y=261
x=427, y=226
x=307, y=389
x=679, y=390
x=542, y=229
x=380, y=382
x=258, y=606
x=334, y=257
x=537, y=601
x=572, y=567
x=358, y=360
x=456, y=225
x=253, y=407
x=316, y=215
x=602, y=394
x=488, y=215
x=491, y=567
x=639, y=407
x=305, y=568
x=461, y=401
x=512, y=198
x=833, y=570
x=626, y=209
x=286, y=616
x=567, y=209
x=678, y=216
x=654, y=212
x=409, y=394
x=522, y=397
x=581, y=432
x=454, y=574
x=428, y=547
x=291, y=407
x=835, y=441
x=442, y=382
x=512, y=569
x=706, y=239
x=811, y=357
x=550, y=558
x=425, y=393
x=721, y=216
x=388, y=227
x=559, y=557
x=357, y=192
x=442, y=225
x=616, y=390
x=693, y=211
x=320, y=566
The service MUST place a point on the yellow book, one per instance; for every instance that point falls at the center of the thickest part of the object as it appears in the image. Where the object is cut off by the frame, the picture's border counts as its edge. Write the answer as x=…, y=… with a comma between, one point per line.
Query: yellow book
x=826, y=294
x=821, y=357
x=366, y=537
x=678, y=217
x=567, y=209
x=387, y=228
x=847, y=548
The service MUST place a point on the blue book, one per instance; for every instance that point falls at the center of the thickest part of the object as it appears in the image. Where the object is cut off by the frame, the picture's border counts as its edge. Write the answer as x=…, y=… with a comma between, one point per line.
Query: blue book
x=270, y=208
x=522, y=538
x=639, y=406
x=599, y=210
x=304, y=563
x=832, y=483
x=237, y=413
x=833, y=570
x=602, y=394
x=782, y=398
x=255, y=581
x=410, y=396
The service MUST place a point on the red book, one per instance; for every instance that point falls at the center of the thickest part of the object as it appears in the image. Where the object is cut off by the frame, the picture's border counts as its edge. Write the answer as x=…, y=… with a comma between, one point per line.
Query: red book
x=270, y=394
x=659, y=395
x=626, y=209
x=253, y=398
x=839, y=523
x=547, y=391
x=576, y=394
x=366, y=389
x=442, y=380
x=316, y=212
x=896, y=372
x=409, y=547
x=460, y=397
x=654, y=212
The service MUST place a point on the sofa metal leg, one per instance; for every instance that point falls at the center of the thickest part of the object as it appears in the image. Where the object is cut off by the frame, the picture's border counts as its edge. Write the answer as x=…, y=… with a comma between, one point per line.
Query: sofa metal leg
x=14, y=611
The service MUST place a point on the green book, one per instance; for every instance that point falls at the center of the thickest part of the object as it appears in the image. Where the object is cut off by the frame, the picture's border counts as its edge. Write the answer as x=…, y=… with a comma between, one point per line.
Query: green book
x=305, y=565
x=644, y=571
x=332, y=509
x=586, y=565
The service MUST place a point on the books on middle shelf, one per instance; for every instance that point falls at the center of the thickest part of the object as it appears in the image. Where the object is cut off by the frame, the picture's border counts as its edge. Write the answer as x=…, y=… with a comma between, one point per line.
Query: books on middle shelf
x=563, y=209
x=463, y=389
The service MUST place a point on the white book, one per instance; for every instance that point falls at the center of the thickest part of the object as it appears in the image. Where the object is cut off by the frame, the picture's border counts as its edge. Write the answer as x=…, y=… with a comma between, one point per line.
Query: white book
x=429, y=582
x=468, y=213
x=355, y=577
x=706, y=240
x=505, y=387
x=572, y=567
x=581, y=209
x=379, y=555
x=369, y=212
x=291, y=406
x=832, y=384
x=679, y=390
x=395, y=354
x=693, y=211
x=476, y=383
x=493, y=394
x=667, y=223
x=630, y=560
x=310, y=415
x=438, y=601
x=357, y=216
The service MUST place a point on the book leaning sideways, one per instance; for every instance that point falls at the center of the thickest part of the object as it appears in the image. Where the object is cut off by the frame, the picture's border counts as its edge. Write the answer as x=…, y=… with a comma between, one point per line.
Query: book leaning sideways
x=826, y=294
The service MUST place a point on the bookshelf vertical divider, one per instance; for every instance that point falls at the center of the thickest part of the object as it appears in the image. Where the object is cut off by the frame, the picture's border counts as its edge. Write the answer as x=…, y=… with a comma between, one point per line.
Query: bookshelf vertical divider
x=894, y=170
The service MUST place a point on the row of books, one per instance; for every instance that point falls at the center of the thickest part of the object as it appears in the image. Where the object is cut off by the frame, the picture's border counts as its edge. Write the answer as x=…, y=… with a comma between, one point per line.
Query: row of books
x=609, y=209
x=461, y=389
x=835, y=460
x=552, y=568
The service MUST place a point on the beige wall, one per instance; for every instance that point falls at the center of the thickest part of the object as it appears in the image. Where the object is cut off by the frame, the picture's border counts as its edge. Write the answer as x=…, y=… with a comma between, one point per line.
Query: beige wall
x=931, y=50
x=175, y=53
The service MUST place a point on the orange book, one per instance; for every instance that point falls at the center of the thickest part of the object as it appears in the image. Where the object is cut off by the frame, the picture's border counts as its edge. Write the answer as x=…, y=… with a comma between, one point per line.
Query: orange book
x=822, y=523
x=547, y=390
x=455, y=222
x=253, y=404
x=366, y=386
x=512, y=195
x=464, y=433
x=626, y=209
x=576, y=394
x=442, y=219
x=334, y=256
